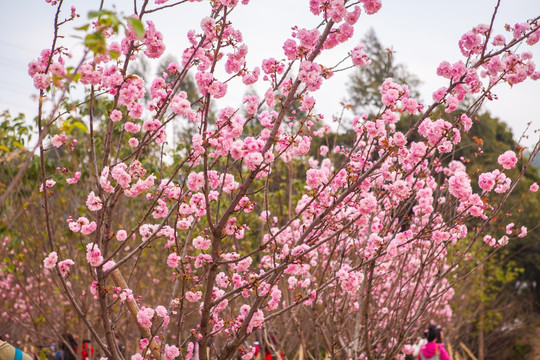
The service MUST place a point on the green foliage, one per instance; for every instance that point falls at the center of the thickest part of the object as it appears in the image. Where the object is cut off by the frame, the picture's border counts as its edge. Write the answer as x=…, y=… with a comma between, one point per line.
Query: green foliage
x=137, y=26
x=521, y=350
x=15, y=132
x=96, y=41
x=365, y=83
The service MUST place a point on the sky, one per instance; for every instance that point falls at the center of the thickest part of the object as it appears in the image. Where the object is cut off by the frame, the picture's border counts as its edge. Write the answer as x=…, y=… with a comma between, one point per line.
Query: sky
x=421, y=33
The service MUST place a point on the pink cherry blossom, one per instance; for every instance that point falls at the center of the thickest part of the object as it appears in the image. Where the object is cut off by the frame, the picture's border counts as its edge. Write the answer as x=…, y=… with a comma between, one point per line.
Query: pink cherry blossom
x=58, y=140
x=121, y=235
x=359, y=57
x=508, y=159
x=93, y=255
x=161, y=311
x=48, y=183
x=116, y=115
x=193, y=296
x=64, y=266
x=173, y=260
x=144, y=317
x=74, y=179
x=201, y=243
x=93, y=202
x=50, y=260
x=171, y=352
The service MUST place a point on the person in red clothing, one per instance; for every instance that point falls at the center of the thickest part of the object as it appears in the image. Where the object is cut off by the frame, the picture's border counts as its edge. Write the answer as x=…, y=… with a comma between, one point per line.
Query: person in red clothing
x=87, y=350
x=434, y=349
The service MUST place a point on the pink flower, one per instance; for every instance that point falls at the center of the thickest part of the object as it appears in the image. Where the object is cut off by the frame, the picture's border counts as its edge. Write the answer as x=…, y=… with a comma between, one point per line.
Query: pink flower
x=121, y=235
x=359, y=57
x=486, y=181
x=93, y=255
x=189, y=350
x=201, y=243
x=508, y=159
x=41, y=81
x=64, y=266
x=534, y=187
x=104, y=180
x=131, y=127
x=74, y=179
x=290, y=49
x=87, y=229
x=180, y=105
x=171, y=352
x=116, y=115
x=253, y=159
x=372, y=6
x=119, y=174
x=58, y=140
x=256, y=321
x=172, y=260
x=310, y=74
x=153, y=40
x=48, y=184
x=75, y=226
x=217, y=89
x=193, y=296
x=488, y=239
x=50, y=260
x=249, y=355
x=509, y=228
x=459, y=185
x=368, y=204
x=93, y=202
x=161, y=311
x=133, y=142
x=195, y=181
x=144, y=317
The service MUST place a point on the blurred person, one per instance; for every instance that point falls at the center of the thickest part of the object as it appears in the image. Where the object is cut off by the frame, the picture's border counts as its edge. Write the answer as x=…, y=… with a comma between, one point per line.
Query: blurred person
x=87, y=350
x=64, y=352
x=433, y=350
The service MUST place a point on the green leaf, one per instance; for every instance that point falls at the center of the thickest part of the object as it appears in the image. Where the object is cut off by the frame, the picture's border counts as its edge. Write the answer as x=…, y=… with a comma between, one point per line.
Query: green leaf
x=79, y=125
x=4, y=148
x=96, y=42
x=95, y=14
x=83, y=28
x=137, y=26
x=17, y=144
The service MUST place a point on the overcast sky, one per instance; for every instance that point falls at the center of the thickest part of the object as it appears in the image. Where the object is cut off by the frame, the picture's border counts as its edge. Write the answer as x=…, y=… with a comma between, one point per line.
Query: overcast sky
x=421, y=33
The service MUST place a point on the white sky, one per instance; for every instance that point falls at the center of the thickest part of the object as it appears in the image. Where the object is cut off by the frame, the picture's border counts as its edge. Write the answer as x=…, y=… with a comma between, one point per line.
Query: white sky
x=421, y=33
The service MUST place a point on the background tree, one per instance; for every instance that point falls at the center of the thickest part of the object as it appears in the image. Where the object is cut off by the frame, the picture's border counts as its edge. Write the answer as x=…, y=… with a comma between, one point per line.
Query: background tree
x=365, y=82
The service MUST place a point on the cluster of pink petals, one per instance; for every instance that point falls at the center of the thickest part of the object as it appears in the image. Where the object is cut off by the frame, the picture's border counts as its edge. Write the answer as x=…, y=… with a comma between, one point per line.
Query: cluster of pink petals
x=93, y=255
x=144, y=317
x=83, y=225
x=50, y=260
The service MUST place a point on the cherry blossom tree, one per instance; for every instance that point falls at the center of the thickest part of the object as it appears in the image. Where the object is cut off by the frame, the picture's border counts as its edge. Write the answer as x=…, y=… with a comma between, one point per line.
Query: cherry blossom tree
x=185, y=241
